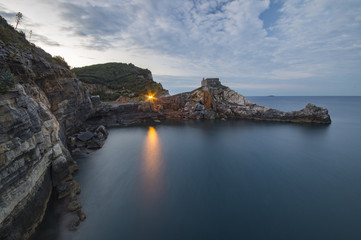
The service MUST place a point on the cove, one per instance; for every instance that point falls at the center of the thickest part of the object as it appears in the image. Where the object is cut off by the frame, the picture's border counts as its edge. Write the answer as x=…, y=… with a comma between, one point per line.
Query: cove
x=223, y=180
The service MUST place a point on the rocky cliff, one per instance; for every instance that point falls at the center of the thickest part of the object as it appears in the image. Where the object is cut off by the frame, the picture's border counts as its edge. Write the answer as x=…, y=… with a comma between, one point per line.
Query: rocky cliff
x=43, y=105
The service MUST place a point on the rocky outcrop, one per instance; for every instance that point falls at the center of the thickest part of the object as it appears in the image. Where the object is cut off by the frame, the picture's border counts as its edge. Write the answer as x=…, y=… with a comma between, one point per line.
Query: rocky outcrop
x=46, y=105
x=88, y=140
x=215, y=101
x=211, y=101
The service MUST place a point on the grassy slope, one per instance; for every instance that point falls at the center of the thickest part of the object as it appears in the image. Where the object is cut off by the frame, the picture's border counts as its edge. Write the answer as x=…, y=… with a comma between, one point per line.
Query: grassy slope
x=125, y=80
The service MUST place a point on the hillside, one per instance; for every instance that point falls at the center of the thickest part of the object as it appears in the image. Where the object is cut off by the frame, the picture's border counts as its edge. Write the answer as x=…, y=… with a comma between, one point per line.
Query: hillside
x=121, y=81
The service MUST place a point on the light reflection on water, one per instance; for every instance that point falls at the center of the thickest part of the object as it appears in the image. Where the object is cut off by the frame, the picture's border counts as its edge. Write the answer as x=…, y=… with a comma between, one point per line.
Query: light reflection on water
x=151, y=165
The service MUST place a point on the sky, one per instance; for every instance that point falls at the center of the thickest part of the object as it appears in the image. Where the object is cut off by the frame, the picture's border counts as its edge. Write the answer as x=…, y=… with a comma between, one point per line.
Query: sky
x=256, y=47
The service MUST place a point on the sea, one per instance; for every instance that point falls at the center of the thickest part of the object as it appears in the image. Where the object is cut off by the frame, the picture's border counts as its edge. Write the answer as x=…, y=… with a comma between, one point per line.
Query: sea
x=216, y=180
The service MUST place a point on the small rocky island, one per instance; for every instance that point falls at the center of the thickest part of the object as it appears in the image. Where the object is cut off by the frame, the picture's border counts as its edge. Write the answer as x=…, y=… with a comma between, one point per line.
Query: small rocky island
x=46, y=114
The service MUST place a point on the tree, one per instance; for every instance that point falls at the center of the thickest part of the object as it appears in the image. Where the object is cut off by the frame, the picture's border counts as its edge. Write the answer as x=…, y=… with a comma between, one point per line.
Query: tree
x=19, y=17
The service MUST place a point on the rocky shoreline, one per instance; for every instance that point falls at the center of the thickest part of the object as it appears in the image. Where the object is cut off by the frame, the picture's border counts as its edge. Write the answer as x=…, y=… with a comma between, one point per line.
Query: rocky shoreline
x=211, y=101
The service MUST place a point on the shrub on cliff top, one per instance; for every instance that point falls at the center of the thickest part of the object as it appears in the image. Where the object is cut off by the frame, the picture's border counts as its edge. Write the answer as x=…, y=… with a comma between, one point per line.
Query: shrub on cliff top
x=61, y=61
x=6, y=81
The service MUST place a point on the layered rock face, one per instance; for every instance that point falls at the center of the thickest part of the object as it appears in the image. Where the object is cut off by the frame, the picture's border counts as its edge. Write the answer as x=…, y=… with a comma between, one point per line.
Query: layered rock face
x=70, y=102
x=46, y=105
x=33, y=160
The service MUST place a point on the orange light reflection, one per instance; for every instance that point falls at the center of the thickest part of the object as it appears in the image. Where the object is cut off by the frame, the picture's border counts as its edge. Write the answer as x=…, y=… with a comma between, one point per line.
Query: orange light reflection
x=152, y=160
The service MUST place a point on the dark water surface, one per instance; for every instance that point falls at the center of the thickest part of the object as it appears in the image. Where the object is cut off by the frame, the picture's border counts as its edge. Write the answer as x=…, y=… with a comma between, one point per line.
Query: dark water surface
x=224, y=180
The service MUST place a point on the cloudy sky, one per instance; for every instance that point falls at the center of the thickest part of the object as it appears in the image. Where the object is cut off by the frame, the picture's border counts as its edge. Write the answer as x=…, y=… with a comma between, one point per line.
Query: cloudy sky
x=258, y=47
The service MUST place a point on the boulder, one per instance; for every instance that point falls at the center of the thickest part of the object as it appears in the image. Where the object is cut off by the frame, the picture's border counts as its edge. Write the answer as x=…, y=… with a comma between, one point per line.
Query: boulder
x=95, y=99
x=73, y=206
x=85, y=136
x=88, y=140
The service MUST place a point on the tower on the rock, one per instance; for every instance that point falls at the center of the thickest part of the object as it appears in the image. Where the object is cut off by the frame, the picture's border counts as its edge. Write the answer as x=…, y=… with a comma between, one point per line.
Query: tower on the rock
x=211, y=82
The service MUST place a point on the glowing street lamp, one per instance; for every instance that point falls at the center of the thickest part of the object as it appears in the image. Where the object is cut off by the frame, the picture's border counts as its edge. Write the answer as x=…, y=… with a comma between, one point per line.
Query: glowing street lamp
x=150, y=97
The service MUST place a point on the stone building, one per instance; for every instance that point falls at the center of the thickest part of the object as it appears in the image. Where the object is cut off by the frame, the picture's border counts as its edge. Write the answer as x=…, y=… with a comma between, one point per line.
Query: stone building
x=210, y=82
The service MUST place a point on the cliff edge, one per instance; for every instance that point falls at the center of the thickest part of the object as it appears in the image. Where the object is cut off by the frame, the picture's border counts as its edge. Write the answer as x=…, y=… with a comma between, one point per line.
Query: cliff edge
x=41, y=103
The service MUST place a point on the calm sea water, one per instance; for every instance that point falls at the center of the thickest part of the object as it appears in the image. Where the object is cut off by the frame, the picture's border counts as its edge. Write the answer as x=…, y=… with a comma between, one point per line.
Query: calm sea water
x=224, y=180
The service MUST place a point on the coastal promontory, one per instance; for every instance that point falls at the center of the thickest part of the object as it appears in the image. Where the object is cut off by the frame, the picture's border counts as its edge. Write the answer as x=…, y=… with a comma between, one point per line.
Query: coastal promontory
x=211, y=101
x=46, y=113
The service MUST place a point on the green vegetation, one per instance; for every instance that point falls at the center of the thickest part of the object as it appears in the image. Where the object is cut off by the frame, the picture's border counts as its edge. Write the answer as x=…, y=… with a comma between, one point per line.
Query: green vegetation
x=121, y=79
x=61, y=61
x=6, y=81
x=10, y=36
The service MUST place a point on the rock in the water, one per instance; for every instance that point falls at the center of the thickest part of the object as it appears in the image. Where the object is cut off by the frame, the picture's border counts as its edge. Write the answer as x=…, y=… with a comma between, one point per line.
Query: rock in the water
x=85, y=136
x=101, y=132
x=88, y=140
x=81, y=215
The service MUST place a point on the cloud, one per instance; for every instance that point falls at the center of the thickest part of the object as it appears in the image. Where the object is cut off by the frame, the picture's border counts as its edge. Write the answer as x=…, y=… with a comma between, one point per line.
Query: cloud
x=101, y=24
x=289, y=75
x=252, y=41
x=168, y=27
x=313, y=32
x=26, y=25
x=10, y=15
x=223, y=36
x=6, y=13
x=37, y=38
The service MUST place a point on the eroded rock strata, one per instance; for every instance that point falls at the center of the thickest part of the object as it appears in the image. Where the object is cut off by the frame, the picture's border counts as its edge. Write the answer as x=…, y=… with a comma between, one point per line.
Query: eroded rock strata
x=44, y=105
